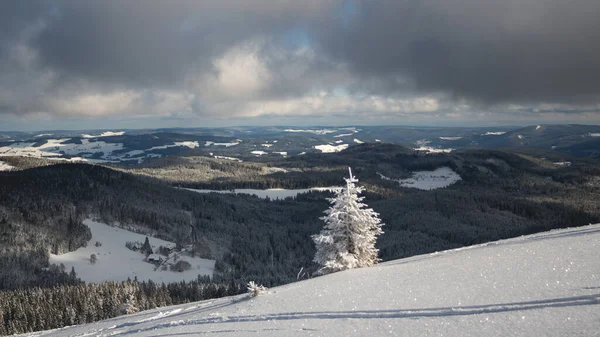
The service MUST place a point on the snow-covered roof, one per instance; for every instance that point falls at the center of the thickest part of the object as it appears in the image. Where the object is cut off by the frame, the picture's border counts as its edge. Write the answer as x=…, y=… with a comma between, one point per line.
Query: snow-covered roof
x=154, y=257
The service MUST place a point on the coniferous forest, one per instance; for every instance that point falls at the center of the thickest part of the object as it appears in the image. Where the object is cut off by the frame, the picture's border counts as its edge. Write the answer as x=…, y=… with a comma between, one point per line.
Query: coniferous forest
x=501, y=195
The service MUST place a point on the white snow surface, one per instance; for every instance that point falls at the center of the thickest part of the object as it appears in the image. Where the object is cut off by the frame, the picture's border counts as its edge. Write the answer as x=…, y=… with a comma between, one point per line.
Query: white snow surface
x=343, y=135
x=358, y=141
x=331, y=148
x=450, y=138
x=428, y=180
x=545, y=284
x=190, y=144
x=104, y=134
x=5, y=167
x=316, y=132
x=432, y=149
x=229, y=158
x=209, y=143
x=55, y=148
x=490, y=133
x=258, y=153
x=272, y=193
x=594, y=134
x=117, y=263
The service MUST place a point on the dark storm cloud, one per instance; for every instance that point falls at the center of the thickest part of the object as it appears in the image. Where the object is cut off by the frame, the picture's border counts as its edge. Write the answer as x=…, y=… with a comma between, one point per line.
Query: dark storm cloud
x=153, y=41
x=71, y=57
x=494, y=50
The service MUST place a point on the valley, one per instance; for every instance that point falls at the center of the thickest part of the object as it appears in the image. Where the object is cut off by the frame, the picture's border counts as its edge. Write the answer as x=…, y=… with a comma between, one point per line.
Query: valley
x=252, y=218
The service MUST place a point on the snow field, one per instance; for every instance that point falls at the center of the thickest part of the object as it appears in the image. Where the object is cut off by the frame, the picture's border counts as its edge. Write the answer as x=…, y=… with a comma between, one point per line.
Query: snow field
x=56, y=148
x=432, y=149
x=272, y=193
x=428, y=180
x=331, y=148
x=545, y=284
x=104, y=134
x=117, y=263
x=190, y=144
x=209, y=143
x=5, y=167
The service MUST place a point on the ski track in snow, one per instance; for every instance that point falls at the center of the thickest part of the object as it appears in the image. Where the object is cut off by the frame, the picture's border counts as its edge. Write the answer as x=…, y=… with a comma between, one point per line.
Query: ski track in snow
x=545, y=284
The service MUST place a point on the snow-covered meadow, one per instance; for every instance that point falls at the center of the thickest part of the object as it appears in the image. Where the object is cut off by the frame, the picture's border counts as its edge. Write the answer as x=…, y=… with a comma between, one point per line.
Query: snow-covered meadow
x=428, y=180
x=326, y=148
x=117, y=263
x=56, y=148
x=546, y=284
x=271, y=193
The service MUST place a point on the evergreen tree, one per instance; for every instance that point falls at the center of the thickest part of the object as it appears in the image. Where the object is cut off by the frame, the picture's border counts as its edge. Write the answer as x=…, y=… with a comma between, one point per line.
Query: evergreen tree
x=146, y=248
x=348, y=238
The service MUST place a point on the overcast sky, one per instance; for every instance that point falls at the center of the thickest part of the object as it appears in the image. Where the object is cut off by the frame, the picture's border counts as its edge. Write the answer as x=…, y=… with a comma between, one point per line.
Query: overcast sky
x=147, y=63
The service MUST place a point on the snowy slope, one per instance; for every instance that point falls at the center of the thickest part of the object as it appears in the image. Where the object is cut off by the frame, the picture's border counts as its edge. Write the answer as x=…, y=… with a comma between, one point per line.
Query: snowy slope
x=5, y=167
x=541, y=285
x=117, y=263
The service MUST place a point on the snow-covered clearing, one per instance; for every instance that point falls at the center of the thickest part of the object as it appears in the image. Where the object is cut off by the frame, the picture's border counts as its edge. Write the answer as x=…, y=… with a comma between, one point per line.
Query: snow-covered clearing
x=190, y=144
x=5, y=167
x=538, y=127
x=428, y=180
x=117, y=263
x=450, y=138
x=520, y=136
x=545, y=284
x=104, y=134
x=134, y=153
x=58, y=147
x=432, y=149
x=594, y=134
x=272, y=193
x=316, y=132
x=258, y=153
x=267, y=145
x=331, y=148
x=344, y=135
x=209, y=143
x=283, y=153
x=358, y=141
x=43, y=135
x=228, y=158
x=490, y=133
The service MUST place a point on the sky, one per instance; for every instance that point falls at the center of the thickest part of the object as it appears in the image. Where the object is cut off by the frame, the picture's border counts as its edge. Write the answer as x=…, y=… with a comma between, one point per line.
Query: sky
x=142, y=64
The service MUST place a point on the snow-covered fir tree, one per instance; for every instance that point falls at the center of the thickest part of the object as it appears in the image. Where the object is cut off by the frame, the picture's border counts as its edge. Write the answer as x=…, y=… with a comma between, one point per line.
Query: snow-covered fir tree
x=351, y=228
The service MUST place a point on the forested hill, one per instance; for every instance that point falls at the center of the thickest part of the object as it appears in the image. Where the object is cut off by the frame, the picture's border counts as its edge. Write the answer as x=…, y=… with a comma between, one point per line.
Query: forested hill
x=500, y=195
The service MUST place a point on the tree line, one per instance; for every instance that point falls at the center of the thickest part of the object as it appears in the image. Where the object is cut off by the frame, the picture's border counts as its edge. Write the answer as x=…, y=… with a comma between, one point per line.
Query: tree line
x=34, y=309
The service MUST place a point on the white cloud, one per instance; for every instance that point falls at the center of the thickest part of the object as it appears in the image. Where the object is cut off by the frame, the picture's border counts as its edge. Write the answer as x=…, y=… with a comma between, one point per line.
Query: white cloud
x=241, y=73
